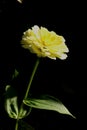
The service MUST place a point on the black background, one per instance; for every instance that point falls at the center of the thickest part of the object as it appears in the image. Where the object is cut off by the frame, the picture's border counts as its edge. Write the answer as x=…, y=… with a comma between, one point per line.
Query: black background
x=65, y=80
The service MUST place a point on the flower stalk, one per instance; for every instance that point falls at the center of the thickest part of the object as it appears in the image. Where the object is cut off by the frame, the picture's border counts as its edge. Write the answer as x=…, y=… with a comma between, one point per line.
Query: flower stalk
x=16, y=126
x=31, y=78
x=27, y=91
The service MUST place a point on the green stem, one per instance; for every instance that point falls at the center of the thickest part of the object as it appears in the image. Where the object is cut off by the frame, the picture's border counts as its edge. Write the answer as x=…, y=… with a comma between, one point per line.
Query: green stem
x=31, y=78
x=27, y=91
x=16, y=126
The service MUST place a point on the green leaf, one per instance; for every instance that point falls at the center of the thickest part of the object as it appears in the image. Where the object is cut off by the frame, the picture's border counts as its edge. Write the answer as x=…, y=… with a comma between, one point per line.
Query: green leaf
x=24, y=126
x=11, y=105
x=48, y=103
x=24, y=111
x=16, y=73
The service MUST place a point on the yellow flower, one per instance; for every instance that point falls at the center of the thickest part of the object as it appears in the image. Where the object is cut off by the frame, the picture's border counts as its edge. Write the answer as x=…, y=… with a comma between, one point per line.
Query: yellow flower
x=44, y=43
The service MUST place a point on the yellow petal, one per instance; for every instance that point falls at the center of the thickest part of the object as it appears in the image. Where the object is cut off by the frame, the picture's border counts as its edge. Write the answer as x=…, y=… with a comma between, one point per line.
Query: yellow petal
x=44, y=43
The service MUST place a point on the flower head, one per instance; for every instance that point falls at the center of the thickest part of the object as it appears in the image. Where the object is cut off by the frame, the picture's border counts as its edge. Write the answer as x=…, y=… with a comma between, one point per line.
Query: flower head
x=44, y=43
